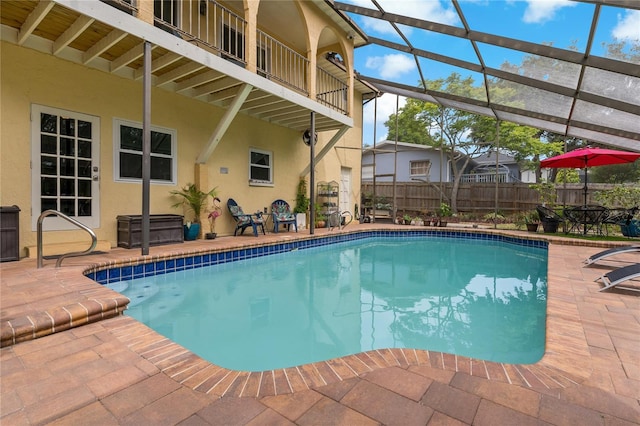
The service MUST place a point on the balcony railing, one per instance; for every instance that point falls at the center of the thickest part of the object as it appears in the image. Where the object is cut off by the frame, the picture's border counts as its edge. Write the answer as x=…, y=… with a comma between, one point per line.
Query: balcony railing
x=212, y=26
x=330, y=91
x=206, y=23
x=278, y=62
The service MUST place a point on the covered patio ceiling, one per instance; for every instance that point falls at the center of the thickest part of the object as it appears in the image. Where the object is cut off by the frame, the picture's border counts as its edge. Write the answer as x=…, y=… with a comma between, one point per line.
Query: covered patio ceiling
x=576, y=94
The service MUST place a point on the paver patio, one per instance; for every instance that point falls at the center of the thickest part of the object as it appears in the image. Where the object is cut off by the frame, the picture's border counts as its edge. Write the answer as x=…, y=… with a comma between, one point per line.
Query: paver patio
x=118, y=371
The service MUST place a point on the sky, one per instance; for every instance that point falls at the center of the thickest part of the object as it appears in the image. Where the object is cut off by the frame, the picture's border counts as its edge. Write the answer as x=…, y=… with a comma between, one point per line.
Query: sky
x=562, y=23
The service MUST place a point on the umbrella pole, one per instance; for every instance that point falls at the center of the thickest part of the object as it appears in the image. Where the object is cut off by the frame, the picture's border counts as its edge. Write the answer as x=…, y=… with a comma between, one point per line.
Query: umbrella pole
x=584, y=218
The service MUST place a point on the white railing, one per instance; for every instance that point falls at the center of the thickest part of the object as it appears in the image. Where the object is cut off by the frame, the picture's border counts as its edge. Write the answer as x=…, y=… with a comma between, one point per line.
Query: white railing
x=212, y=26
x=487, y=178
x=205, y=23
x=330, y=91
x=278, y=62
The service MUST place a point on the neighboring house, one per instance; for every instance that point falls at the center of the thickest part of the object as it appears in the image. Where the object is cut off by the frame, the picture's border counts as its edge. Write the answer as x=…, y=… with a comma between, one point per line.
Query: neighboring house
x=409, y=162
x=423, y=163
x=483, y=169
x=233, y=86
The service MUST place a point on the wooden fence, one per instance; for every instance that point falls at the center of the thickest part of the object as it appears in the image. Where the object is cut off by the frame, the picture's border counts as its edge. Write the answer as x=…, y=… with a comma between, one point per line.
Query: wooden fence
x=479, y=198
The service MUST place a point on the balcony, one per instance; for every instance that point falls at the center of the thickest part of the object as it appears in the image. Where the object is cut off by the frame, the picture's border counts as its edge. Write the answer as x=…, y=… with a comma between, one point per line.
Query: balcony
x=208, y=24
x=200, y=49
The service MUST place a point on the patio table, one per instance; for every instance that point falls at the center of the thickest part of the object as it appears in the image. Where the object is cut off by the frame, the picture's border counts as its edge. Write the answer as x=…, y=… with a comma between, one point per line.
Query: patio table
x=586, y=217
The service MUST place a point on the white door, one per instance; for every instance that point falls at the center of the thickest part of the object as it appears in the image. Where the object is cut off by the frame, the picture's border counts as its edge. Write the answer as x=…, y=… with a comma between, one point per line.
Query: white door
x=65, y=167
x=345, y=190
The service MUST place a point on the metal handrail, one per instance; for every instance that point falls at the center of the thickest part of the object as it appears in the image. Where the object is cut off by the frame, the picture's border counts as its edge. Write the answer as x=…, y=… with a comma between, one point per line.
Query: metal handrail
x=94, y=239
x=334, y=219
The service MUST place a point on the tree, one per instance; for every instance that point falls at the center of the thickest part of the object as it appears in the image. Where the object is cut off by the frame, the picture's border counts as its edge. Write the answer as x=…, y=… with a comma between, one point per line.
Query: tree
x=616, y=173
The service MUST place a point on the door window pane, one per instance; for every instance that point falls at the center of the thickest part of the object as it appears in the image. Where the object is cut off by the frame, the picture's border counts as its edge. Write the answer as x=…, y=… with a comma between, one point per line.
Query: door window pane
x=67, y=167
x=48, y=123
x=84, y=129
x=84, y=207
x=48, y=165
x=68, y=206
x=48, y=204
x=68, y=187
x=84, y=168
x=48, y=144
x=67, y=126
x=49, y=186
x=67, y=147
x=84, y=188
x=84, y=149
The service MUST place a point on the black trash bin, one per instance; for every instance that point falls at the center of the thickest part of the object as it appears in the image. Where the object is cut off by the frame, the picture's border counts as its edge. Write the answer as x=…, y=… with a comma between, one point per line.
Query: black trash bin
x=9, y=233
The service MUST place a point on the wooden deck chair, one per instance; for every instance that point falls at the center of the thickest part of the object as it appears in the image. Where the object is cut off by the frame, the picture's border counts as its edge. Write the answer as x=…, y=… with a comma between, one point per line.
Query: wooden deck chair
x=243, y=220
x=620, y=275
x=282, y=215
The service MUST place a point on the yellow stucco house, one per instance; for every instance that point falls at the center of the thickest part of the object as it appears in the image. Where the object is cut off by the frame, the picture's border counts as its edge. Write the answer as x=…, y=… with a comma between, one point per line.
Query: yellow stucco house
x=232, y=88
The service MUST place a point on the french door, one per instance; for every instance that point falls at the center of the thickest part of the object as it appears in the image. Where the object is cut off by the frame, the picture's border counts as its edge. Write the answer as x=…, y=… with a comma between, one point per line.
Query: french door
x=65, y=167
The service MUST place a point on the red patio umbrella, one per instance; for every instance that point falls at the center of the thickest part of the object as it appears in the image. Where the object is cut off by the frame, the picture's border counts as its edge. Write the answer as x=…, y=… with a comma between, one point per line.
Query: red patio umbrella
x=589, y=157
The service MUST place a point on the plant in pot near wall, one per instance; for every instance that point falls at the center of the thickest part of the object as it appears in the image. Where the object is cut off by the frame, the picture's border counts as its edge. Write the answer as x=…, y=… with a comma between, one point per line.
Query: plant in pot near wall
x=302, y=204
x=321, y=218
x=194, y=200
x=216, y=211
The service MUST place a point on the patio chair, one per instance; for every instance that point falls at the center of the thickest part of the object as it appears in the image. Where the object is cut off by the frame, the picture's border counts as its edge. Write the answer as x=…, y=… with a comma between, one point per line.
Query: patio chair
x=243, y=220
x=611, y=252
x=550, y=219
x=620, y=275
x=282, y=215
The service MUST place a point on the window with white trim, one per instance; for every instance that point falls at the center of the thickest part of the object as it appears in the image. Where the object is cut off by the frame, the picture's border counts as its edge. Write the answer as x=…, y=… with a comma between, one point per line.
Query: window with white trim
x=420, y=168
x=127, y=160
x=260, y=167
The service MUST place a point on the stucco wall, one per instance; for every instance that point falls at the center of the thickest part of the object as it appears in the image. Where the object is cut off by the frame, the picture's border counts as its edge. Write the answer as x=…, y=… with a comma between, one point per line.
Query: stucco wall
x=29, y=77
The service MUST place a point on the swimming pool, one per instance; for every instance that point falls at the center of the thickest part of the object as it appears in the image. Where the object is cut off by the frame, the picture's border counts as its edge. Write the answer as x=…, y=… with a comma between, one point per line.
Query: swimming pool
x=478, y=297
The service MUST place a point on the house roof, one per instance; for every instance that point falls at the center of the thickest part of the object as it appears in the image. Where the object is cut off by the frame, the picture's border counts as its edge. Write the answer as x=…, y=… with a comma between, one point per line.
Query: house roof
x=489, y=158
x=390, y=146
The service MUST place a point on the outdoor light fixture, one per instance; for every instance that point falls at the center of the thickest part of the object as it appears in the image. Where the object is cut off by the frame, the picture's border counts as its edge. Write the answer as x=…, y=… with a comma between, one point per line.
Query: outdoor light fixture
x=306, y=137
x=203, y=7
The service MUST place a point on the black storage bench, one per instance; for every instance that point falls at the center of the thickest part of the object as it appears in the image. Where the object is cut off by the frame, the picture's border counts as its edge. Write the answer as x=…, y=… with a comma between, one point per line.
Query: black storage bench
x=163, y=229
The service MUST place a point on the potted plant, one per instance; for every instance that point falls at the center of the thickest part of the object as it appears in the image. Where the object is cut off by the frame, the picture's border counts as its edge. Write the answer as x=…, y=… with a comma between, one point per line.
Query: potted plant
x=406, y=219
x=532, y=220
x=194, y=200
x=215, y=212
x=321, y=219
x=302, y=204
x=444, y=211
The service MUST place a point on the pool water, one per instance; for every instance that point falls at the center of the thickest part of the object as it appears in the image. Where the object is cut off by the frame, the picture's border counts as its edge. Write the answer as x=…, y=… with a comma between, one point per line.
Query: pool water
x=480, y=299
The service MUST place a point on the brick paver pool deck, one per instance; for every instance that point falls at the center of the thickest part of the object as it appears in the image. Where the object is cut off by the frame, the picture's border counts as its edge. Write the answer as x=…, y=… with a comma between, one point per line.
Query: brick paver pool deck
x=102, y=368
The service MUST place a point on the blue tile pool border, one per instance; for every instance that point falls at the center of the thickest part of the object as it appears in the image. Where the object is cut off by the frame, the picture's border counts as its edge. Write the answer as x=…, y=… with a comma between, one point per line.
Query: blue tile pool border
x=109, y=275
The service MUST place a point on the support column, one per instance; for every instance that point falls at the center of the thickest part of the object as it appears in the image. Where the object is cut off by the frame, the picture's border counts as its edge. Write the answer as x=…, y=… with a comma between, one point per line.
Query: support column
x=146, y=147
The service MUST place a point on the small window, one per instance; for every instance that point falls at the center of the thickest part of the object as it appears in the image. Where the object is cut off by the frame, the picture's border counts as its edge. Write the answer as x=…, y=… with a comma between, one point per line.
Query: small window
x=128, y=153
x=420, y=168
x=260, y=167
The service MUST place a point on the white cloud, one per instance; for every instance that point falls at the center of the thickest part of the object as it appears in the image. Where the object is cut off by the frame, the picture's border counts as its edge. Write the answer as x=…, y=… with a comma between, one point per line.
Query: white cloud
x=628, y=27
x=539, y=11
x=386, y=105
x=391, y=66
x=429, y=10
